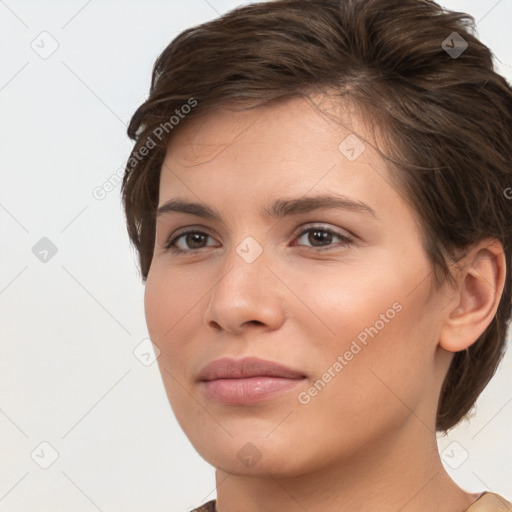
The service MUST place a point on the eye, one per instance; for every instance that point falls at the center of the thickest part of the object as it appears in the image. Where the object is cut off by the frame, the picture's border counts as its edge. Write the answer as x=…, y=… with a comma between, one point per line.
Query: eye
x=319, y=237
x=192, y=238
x=322, y=237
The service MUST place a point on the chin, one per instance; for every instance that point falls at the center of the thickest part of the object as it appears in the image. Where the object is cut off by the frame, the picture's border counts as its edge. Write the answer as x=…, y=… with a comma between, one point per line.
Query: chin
x=251, y=453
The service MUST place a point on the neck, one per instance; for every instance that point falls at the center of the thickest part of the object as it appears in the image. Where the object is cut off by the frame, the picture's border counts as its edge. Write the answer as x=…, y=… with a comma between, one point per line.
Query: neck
x=396, y=474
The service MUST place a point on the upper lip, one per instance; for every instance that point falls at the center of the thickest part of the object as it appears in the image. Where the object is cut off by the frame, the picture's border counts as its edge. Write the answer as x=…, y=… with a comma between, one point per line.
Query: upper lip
x=227, y=368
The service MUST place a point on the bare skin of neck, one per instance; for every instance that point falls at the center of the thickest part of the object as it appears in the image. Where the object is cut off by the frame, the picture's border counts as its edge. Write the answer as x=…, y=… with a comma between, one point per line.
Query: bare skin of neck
x=395, y=476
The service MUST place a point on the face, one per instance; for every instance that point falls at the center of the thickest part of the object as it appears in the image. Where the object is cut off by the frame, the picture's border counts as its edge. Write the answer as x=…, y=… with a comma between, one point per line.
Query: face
x=337, y=291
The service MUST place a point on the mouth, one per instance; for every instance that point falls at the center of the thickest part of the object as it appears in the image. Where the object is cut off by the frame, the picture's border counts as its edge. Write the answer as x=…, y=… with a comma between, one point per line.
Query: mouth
x=247, y=381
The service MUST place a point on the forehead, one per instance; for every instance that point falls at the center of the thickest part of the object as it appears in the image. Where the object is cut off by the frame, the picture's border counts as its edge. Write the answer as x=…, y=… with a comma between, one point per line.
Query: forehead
x=284, y=123
x=296, y=133
x=289, y=148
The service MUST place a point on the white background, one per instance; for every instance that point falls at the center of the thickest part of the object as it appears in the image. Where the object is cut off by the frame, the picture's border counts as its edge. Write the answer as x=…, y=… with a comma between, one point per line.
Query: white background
x=68, y=375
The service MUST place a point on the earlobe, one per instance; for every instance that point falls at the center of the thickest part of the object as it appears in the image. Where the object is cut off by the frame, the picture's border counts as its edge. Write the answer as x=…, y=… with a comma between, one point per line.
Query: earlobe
x=481, y=281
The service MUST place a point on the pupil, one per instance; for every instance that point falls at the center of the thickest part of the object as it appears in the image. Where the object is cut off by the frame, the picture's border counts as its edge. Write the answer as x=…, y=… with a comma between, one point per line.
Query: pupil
x=194, y=238
x=319, y=236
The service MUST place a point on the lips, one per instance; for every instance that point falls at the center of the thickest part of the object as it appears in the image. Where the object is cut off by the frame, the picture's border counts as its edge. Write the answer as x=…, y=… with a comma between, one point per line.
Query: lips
x=248, y=380
x=245, y=368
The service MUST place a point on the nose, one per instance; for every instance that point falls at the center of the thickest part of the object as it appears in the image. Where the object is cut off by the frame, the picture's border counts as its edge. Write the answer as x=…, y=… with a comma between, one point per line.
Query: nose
x=247, y=295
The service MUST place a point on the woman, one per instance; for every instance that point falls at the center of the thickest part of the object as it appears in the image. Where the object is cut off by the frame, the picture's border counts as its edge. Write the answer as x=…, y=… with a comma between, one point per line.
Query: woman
x=318, y=197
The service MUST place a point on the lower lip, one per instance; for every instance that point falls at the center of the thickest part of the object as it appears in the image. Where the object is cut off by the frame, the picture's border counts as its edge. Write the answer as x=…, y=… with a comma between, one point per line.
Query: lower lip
x=247, y=391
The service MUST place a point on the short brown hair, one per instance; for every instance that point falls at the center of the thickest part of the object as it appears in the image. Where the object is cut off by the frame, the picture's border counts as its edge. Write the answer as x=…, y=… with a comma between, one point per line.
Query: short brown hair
x=445, y=117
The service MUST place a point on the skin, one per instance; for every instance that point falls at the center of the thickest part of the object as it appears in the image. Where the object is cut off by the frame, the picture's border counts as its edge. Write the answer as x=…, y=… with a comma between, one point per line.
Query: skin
x=367, y=440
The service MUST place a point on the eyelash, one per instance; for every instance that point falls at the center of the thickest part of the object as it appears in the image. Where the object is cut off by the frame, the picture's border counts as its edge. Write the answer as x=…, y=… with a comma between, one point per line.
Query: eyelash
x=169, y=246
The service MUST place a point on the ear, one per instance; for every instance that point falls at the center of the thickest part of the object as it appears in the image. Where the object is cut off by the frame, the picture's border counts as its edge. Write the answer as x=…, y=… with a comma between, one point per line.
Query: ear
x=480, y=283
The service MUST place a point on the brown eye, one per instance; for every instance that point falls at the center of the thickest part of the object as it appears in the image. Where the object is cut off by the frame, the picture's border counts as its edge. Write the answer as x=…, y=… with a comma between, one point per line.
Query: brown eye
x=319, y=236
x=322, y=237
x=190, y=240
x=194, y=240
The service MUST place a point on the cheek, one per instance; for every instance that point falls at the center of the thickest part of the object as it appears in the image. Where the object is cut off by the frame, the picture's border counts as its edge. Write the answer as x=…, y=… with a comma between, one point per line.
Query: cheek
x=351, y=303
x=167, y=302
x=163, y=312
x=382, y=336
x=374, y=388
x=174, y=311
x=154, y=305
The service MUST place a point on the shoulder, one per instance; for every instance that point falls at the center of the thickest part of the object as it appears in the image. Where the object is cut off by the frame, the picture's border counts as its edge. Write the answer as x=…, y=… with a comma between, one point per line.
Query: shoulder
x=490, y=502
x=206, y=507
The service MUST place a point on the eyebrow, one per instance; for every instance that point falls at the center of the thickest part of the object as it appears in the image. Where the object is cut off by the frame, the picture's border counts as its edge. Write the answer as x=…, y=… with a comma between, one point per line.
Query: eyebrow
x=278, y=209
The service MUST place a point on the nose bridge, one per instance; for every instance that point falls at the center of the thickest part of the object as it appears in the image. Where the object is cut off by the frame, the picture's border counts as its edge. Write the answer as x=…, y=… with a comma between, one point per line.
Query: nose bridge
x=244, y=265
x=241, y=295
x=247, y=238
x=249, y=250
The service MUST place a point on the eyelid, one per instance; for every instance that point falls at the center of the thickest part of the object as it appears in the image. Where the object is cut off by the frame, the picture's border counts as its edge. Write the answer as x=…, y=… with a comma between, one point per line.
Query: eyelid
x=182, y=232
x=346, y=239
